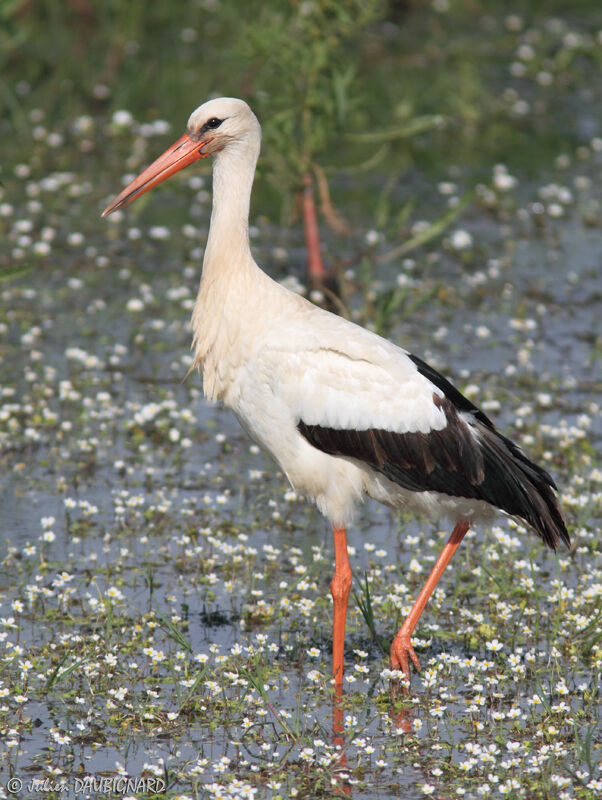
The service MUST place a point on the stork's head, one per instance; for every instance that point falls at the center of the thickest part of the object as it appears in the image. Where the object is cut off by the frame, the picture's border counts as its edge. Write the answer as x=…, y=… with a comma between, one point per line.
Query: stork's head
x=212, y=127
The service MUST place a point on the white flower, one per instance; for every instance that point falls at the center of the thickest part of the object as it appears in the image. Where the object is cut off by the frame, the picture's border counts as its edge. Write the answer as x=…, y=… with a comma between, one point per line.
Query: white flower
x=159, y=233
x=41, y=248
x=461, y=240
x=75, y=239
x=135, y=304
x=503, y=181
x=122, y=118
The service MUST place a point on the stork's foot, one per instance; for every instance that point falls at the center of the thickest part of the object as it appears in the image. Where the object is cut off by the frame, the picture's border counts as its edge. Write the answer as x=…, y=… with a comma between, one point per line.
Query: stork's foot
x=402, y=652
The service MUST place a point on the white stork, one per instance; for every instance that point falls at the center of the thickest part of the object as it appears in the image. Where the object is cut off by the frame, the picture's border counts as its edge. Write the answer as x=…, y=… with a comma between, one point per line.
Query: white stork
x=344, y=412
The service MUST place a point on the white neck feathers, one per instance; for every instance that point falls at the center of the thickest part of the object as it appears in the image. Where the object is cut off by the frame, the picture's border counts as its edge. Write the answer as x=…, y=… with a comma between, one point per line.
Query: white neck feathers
x=229, y=270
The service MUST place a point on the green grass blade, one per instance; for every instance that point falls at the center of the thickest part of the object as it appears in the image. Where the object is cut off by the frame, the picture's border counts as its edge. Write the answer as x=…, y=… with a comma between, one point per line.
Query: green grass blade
x=434, y=230
x=58, y=674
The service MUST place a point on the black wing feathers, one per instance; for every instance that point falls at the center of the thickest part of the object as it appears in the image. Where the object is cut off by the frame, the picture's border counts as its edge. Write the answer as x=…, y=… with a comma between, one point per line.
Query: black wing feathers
x=467, y=458
x=449, y=390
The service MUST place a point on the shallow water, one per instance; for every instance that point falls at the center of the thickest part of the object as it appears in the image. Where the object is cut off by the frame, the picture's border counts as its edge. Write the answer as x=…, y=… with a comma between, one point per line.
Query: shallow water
x=147, y=544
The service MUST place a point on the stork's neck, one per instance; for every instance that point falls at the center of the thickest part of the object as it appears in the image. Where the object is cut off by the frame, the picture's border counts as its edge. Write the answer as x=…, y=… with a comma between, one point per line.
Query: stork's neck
x=230, y=276
x=228, y=250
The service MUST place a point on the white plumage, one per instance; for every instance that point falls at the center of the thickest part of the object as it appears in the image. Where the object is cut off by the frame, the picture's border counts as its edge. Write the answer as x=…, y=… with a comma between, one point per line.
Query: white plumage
x=344, y=412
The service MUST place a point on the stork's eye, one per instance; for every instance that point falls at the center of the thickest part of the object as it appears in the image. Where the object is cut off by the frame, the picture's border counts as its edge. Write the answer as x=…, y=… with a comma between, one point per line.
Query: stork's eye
x=210, y=125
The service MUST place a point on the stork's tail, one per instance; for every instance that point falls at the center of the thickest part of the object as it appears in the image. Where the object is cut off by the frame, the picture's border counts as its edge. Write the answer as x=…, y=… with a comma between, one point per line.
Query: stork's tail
x=523, y=489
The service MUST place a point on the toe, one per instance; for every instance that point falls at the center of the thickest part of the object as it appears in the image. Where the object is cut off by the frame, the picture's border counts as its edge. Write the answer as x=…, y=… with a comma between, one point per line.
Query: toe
x=402, y=652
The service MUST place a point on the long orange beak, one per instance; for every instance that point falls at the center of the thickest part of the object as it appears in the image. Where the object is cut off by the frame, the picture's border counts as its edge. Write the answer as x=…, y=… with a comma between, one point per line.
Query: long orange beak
x=182, y=153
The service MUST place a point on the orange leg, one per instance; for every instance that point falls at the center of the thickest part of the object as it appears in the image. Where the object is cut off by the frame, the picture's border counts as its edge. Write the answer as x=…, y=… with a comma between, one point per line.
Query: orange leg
x=338, y=725
x=338, y=728
x=338, y=739
x=312, y=233
x=340, y=587
x=401, y=647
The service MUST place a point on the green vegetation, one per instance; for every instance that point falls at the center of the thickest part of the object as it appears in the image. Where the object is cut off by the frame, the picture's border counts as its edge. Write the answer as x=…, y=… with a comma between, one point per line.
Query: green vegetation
x=164, y=606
